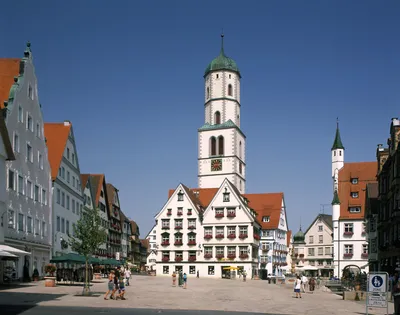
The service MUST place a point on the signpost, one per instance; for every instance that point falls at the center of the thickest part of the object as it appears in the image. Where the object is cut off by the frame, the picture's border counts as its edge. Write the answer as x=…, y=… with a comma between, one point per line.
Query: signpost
x=377, y=291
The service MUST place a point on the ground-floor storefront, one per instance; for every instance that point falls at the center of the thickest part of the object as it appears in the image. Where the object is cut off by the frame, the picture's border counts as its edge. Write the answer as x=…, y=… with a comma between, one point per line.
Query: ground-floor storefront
x=24, y=265
x=224, y=270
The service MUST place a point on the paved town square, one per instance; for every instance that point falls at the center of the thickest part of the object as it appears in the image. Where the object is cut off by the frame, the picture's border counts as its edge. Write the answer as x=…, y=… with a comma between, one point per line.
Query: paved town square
x=151, y=295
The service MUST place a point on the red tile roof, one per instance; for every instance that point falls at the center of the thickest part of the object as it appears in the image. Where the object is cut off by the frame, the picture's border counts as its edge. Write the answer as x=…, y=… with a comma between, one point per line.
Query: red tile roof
x=9, y=68
x=366, y=173
x=145, y=243
x=84, y=180
x=56, y=135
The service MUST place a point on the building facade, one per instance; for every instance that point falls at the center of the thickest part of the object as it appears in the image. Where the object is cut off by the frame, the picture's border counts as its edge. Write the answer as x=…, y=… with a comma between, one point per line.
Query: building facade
x=66, y=179
x=348, y=209
x=371, y=221
x=221, y=141
x=28, y=178
x=126, y=233
x=135, y=244
x=114, y=216
x=273, y=250
x=388, y=223
x=152, y=237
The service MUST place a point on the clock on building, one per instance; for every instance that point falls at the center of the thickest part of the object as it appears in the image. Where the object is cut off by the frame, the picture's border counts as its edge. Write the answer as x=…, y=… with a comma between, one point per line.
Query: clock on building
x=216, y=165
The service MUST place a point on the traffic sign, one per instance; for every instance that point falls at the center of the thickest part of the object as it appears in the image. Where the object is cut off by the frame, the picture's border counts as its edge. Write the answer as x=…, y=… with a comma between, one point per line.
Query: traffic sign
x=377, y=282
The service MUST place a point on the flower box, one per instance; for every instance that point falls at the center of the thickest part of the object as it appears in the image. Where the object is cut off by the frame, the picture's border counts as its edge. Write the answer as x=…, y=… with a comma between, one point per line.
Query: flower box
x=189, y=213
x=219, y=236
x=208, y=236
x=165, y=259
x=301, y=255
x=207, y=255
x=219, y=215
x=219, y=256
x=231, y=256
x=165, y=227
x=231, y=215
x=348, y=233
x=178, y=227
x=179, y=214
x=169, y=213
x=364, y=255
x=178, y=259
x=347, y=255
x=231, y=236
x=243, y=236
x=192, y=258
x=243, y=256
x=192, y=243
x=178, y=243
x=164, y=243
x=192, y=227
x=256, y=237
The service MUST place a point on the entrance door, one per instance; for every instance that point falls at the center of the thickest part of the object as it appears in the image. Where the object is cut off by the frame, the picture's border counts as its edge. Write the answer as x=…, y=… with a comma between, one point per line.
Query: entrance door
x=178, y=269
x=225, y=273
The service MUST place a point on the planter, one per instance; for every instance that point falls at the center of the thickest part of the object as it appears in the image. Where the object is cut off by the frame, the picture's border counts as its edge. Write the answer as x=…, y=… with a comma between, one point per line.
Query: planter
x=97, y=276
x=50, y=282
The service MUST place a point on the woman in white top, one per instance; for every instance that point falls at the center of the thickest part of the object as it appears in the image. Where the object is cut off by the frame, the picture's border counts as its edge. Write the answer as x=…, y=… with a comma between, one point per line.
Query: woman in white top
x=297, y=287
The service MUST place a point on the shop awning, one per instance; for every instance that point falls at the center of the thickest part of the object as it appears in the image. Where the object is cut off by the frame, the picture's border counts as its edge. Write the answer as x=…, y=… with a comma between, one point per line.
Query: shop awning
x=7, y=254
x=110, y=261
x=13, y=250
x=73, y=259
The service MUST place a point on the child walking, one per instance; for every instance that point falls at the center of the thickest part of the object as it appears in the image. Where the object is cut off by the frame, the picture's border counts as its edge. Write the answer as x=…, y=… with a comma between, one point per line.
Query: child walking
x=121, y=288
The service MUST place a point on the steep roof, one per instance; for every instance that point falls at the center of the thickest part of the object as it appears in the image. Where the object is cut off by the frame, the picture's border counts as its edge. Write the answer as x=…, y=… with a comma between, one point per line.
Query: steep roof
x=56, y=135
x=145, y=243
x=288, y=238
x=366, y=173
x=267, y=204
x=203, y=195
x=84, y=180
x=327, y=218
x=337, y=143
x=134, y=227
x=9, y=68
x=6, y=139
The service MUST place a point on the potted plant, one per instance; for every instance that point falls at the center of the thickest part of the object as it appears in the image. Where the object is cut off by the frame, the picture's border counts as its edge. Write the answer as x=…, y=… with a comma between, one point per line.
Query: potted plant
x=50, y=280
x=35, y=275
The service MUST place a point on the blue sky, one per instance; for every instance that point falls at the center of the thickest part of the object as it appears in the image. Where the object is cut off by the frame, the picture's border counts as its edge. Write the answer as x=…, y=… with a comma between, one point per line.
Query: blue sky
x=129, y=75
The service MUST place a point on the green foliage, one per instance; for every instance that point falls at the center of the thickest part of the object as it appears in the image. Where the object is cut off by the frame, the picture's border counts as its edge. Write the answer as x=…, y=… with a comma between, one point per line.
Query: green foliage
x=88, y=233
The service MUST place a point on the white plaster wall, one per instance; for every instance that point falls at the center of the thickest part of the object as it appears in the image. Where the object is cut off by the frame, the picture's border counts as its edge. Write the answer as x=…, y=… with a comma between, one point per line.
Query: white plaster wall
x=337, y=160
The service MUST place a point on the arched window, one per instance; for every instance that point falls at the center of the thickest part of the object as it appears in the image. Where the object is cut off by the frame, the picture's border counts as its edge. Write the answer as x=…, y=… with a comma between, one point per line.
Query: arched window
x=213, y=145
x=208, y=92
x=230, y=90
x=217, y=118
x=240, y=149
x=220, y=145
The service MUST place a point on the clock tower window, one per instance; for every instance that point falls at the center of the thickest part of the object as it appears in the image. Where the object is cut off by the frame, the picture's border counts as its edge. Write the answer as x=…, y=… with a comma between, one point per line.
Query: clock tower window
x=213, y=146
x=221, y=145
x=217, y=118
x=230, y=89
x=208, y=92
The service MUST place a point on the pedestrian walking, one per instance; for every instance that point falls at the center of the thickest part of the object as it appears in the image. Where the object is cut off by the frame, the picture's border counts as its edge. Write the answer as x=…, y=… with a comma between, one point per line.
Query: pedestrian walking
x=184, y=281
x=297, y=287
x=127, y=275
x=180, y=278
x=174, y=279
x=121, y=289
x=304, y=282
x=197, y=274
x=110, y=284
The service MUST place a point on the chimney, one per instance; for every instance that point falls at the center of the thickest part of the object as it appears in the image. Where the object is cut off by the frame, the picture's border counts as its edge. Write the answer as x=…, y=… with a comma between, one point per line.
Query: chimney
x=67, y=123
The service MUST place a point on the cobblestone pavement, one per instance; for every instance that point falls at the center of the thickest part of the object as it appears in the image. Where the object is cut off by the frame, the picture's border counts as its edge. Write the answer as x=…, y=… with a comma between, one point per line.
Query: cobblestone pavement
x=255, y=296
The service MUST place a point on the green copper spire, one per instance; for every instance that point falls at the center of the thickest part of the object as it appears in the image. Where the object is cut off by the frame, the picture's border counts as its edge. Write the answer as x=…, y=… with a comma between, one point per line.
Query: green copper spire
x=222, y=62
x=337, y=144
x=335, y=200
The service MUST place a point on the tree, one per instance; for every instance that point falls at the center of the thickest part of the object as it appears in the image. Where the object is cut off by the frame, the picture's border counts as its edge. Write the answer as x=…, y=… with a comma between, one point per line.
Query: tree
x=88, y=236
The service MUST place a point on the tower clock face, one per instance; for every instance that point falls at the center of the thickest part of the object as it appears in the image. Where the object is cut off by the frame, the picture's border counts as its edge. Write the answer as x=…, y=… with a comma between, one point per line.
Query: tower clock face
x=216, y=165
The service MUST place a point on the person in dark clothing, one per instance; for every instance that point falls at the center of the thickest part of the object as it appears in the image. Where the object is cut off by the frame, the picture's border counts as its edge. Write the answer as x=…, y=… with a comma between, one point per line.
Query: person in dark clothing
x=116, y=279
x=396, y=294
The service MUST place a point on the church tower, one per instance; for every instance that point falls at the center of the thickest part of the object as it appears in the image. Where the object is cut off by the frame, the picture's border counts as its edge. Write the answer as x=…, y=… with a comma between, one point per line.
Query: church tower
x=221, y=141
x=337, y=157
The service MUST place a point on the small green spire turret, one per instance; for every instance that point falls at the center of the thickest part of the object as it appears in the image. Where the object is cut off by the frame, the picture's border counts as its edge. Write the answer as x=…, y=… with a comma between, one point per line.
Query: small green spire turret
x=335, y=200
x=337, y=143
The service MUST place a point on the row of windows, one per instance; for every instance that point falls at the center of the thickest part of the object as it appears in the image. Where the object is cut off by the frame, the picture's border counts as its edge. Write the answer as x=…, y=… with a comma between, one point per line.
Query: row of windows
x=26, y=187
x=66, y=175
x=28, y=151
x=69, y=203
x=320, y=251
x=320, y=239
x=29, y=122
x=71, y=157
x=63, y=226
x=349, y=249
x=26, y=224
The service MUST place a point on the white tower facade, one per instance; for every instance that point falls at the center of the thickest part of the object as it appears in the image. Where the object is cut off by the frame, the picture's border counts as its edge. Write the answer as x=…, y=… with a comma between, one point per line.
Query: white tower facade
x=221, y=141
x=337, y=158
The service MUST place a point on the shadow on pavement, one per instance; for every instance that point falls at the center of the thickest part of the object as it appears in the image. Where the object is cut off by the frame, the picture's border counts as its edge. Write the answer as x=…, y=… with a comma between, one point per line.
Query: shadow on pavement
x=15, y=285
x=12, y=303
x=61, y=310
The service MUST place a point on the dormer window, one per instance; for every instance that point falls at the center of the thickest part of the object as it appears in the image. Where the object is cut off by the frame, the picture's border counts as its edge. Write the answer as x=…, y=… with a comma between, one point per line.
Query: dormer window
x=354, y=194
x=266, y=218
x=355, y=209
x=180, y=195
x=226, y=195
x=354, y=180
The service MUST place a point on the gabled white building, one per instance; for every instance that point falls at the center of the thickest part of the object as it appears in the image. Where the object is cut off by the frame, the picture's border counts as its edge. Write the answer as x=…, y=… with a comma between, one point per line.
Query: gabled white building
x=68, y=195
x=28, y=177
x=152, y=237
x=348, y=209
x=272, y=217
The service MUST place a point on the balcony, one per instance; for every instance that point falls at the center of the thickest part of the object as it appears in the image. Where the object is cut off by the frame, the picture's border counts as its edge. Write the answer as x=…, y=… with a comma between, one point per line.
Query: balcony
x=231, y=215
x=231, y=236
x=208, y=236
x=207, y=256
x=192, y=243
x=219, y=236
x=219, y=215
x=178, y=243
